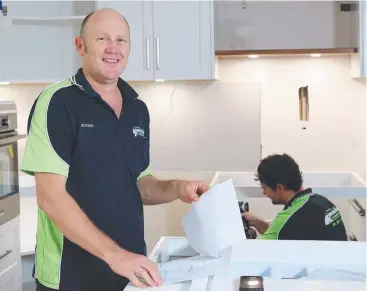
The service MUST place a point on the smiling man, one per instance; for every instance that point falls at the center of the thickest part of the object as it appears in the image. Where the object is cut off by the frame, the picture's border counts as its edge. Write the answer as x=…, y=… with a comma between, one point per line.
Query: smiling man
x=88, y=148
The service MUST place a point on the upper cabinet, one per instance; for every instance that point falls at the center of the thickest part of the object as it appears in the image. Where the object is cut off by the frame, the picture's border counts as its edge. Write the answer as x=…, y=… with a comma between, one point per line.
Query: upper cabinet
x=37, y=44
x=29, y=52
x=284, y=25
x=170, y=40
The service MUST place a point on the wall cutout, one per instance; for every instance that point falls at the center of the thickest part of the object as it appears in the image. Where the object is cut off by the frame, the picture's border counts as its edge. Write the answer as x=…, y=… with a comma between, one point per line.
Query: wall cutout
x=303, y=104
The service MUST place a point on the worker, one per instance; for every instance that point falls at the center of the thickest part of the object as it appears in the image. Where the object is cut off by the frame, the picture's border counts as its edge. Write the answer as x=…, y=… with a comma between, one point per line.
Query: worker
x=88, y=148
x=306, y=215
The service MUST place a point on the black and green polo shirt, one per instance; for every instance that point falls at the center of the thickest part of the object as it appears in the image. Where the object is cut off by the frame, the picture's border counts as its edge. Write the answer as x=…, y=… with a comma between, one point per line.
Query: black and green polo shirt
x=307, y=216
x=73, y=132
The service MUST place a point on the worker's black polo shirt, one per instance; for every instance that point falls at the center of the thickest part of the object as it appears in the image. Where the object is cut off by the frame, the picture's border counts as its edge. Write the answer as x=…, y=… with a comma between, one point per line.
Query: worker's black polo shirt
x=73, y=132
x=307, y=216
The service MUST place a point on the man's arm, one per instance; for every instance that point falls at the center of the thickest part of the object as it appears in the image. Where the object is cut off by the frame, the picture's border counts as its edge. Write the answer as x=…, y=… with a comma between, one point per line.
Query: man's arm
x=65, y=213
x=154, y=191
x=47, y=156
x=260, y=224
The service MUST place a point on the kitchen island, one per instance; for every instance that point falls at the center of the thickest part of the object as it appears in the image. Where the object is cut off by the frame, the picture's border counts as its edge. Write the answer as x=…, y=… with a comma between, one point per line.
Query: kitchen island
x=284, y=265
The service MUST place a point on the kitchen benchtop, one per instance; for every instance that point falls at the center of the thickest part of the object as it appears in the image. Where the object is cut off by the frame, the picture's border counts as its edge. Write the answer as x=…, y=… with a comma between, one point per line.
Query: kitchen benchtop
x=284, y=265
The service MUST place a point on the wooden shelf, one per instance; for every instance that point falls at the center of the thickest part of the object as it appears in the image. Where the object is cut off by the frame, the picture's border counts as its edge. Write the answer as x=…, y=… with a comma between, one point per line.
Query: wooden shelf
x=285, y=52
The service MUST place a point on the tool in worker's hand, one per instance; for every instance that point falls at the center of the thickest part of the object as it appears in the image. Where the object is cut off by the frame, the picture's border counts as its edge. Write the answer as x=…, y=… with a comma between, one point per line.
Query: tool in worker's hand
x=250, y=233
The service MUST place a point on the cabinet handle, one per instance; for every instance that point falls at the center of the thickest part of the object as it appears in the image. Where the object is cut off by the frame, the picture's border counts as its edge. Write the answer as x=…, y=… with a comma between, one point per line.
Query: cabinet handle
x=148, y=53
x=357, y=207
x=352, y=238
x=5, y=254
x=157, y=52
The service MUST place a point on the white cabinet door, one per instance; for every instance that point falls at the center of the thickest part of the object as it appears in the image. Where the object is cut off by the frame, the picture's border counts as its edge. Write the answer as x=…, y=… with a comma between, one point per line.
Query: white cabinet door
x=139, y=16
x=28, y=49
x=262, y=25
x=10, y=268
x=183, y=41
x=10, y=279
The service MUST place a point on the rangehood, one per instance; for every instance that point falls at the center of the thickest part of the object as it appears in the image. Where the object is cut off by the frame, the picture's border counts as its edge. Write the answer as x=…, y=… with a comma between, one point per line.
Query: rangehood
x=287, y=27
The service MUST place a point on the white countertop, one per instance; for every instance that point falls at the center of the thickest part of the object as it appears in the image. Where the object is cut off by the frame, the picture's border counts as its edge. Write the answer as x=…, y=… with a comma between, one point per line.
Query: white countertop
x=276, y=285
x=320, y=266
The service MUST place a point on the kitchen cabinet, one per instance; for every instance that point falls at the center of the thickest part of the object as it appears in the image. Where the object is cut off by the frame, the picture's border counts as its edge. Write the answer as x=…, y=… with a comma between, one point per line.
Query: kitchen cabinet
x=29, y=50
x=10, y=260
x=171, y=40
x=280, y=25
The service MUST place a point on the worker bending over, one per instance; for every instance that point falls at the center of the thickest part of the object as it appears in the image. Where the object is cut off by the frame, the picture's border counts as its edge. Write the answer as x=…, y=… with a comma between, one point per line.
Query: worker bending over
x=306, y=215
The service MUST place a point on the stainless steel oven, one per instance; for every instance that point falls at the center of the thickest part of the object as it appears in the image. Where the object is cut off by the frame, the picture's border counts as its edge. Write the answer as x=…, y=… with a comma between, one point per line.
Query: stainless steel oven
x=9, y=169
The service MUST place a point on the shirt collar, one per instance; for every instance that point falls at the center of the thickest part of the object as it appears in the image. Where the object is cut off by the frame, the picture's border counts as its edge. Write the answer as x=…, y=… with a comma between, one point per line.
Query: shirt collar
x=81, y=81
x=307, y=191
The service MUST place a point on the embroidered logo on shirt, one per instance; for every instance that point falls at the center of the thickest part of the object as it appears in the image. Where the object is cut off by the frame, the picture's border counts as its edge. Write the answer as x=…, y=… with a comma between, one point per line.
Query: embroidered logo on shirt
x=87, y=125
x=332, y=216
x=137, y=131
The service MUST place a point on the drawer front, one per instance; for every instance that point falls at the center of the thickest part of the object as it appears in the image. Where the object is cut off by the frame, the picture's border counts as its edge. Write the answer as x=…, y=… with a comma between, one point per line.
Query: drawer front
x=9, y=247
x=10, y=279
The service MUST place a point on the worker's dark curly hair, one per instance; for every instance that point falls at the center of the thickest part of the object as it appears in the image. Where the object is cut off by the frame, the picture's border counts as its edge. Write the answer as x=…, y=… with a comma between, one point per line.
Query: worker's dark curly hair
x=280, y=169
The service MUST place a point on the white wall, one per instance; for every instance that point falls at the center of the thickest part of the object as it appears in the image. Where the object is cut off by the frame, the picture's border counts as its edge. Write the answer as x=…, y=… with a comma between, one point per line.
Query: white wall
x=333, y=141
x=335, y=136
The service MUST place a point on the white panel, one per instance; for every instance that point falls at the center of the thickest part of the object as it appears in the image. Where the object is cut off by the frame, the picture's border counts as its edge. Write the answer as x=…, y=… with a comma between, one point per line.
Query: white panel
x=252, y=25
x=193, y=136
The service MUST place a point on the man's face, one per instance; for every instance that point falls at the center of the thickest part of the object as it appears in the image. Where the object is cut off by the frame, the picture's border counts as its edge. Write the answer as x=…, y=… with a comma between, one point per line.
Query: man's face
x=105, y=46
x=274, y=195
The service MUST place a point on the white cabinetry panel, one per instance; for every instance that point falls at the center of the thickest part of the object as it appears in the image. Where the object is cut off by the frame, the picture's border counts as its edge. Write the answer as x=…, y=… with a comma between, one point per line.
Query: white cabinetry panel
x=39, y=46
x=182, y=40
x=10, y=269
x=269, y=25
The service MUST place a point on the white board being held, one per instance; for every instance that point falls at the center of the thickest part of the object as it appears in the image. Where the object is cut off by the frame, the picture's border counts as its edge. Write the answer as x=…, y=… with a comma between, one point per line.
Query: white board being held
x=214, y=223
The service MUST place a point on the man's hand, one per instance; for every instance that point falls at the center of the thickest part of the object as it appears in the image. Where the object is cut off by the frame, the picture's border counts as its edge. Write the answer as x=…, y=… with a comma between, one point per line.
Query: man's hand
x=141, y=271
x=251, y=218
x=260, y=224
x=190, y=191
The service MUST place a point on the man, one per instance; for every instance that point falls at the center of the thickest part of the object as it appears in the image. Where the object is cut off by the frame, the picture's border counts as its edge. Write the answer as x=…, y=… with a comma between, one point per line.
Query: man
x=88, y=148
x=306, y=216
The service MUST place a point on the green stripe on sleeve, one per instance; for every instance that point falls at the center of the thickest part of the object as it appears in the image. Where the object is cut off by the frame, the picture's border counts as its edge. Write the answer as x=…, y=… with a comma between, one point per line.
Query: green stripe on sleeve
x=282, y=217
x=39, y=155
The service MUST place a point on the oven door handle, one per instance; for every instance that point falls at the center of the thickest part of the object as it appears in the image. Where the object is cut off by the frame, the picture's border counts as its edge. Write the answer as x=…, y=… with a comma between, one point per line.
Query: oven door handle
x=12, y=139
